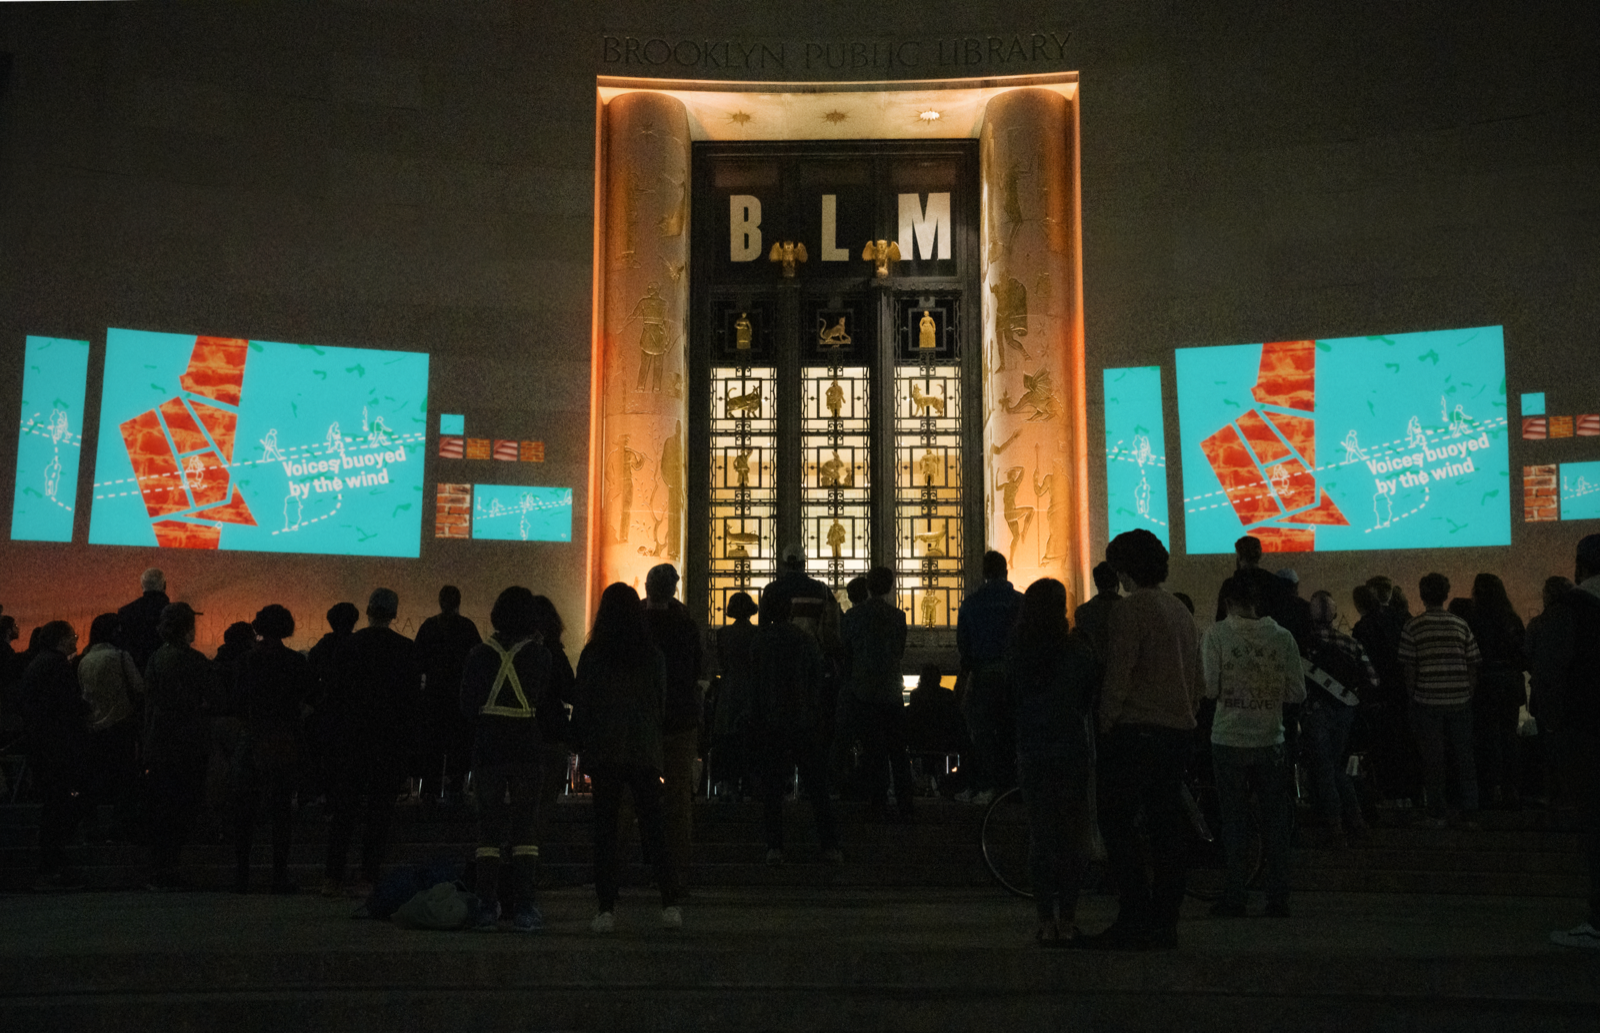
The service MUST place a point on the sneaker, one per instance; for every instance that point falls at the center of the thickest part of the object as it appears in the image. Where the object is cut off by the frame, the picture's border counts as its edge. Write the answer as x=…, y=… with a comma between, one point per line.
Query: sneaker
x=604, y=922
x=1585, y=935
x=672, y=917
x=833, y=856
x=488, y=919
x=330, y=887
x=774, y=857
x=527, y=919
x=1223, y=909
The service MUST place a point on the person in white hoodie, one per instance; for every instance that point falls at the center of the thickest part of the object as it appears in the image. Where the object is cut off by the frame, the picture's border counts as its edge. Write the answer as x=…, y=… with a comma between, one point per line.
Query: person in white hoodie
x=1252, y=668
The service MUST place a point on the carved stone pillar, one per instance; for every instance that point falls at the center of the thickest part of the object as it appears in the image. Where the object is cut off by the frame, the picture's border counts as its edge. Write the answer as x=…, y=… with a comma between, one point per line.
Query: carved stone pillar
x=641, y=394
x=1033, y=396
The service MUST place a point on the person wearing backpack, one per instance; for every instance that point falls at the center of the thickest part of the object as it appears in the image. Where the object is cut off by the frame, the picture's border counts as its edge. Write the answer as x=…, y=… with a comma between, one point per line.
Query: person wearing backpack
x=1338, y=673
x=503, y=683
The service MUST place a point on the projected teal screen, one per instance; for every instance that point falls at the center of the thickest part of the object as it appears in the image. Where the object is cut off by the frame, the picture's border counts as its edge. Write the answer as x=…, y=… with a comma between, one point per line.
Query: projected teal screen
x=1396, y=442
x=506, y=512
x=54, y=378
x=1580, y=491
x=223, y=443
x=1136, y=464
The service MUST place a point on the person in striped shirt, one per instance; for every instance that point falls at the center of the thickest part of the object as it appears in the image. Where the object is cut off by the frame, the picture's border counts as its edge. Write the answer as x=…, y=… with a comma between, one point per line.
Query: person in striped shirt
x=1441, y=661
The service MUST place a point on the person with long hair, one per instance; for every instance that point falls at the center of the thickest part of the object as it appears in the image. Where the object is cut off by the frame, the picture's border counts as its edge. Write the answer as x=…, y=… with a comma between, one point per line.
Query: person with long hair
x=114, y=690
x=503, y=683
x=618, y=709
x=55, y=718
x=1052, y=677
x=272, y=683
x=552, y=710
x=1502, y=691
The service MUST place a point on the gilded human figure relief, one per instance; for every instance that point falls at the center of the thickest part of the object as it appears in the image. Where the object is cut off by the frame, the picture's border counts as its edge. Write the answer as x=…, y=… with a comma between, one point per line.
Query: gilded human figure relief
x=620, y=466
x=880, y=253
x=836, y=537
x=788, y=253
x=930, y=609
x=741, y=468
x=835, y=473
x=1018, y=518
x=1045, y=496
x=930, y=466
x=672, y=475
x=834, y=399
x=927, y=331
x=1039, y=396
x=1010, y=317
x=651, y=311
x=741, y=332
x=676, y=214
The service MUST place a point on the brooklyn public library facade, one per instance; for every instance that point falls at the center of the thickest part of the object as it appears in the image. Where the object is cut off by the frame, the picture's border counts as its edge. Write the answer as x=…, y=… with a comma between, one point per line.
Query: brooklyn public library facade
x=507, y=292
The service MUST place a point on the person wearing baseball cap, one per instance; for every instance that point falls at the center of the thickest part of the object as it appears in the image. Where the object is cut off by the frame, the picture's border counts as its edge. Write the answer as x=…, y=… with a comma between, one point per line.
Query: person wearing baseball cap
x=177, y=683
x=1566, y=667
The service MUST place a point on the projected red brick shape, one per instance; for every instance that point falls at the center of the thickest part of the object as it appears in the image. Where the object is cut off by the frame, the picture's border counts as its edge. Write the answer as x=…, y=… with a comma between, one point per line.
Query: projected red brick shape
x=1266, y=459
x=181, y=450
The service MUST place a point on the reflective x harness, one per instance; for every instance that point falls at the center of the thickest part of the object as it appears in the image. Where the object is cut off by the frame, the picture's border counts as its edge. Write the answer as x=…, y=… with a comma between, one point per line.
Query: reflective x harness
x=507, y=675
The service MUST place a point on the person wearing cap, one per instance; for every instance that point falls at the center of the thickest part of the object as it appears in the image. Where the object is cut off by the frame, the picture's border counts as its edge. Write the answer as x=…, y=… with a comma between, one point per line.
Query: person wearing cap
x=372, y=702
x=140, y=617
x=812, y=605
x=676, y=635
x=272, y=683
x=983, y=631
x=1566, y=669
x=177, y=683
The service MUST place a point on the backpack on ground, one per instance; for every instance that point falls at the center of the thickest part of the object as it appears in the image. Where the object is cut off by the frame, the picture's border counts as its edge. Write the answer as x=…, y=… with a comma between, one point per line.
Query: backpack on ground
x=445, y=906
x=394, y=890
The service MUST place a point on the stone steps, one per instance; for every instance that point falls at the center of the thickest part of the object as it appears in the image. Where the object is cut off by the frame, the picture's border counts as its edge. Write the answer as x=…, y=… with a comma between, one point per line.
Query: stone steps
x=1532, y=853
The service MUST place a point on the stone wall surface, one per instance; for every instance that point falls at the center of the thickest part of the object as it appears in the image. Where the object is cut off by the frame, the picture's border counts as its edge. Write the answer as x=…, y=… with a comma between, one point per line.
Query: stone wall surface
x=420, y=176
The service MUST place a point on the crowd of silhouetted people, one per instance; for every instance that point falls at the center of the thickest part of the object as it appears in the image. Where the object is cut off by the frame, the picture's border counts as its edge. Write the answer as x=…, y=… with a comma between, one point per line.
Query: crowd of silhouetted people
x=1099, y=719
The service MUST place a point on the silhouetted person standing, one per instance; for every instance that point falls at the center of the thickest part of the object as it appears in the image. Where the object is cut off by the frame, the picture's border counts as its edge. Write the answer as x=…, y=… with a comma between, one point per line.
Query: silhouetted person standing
x=1566, y=669
x=785, y=718
x=372, y=705
x=141, y=618
x=874, y=642
x=1147, y=707
x=1092, y=619
x=983, y=630
x=1441, y=660
x=177, y=685
x=273, y=682
x=443, y=642
x=56, y=720
x=505, y=682
x=675, y=634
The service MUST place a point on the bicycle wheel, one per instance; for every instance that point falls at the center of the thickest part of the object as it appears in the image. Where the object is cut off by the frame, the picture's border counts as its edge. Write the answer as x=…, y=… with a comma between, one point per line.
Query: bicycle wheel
x=1207, y=862
x=1005, y=843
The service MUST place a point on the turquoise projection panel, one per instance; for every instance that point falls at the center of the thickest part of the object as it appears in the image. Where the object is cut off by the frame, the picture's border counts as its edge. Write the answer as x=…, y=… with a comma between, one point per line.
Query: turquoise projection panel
x=517, y=513
x=258, y=446
x=54, y=380
x=1136, y=466
x=1580, y=491
x=1396, y=442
